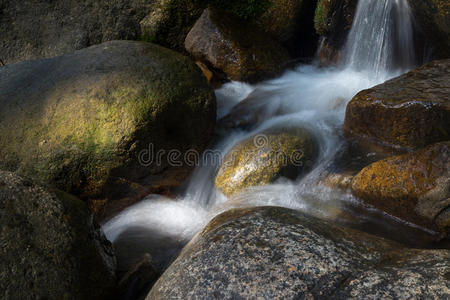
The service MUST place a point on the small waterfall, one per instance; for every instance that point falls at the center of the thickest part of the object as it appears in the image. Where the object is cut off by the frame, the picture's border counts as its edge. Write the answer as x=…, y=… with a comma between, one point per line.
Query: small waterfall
x=381, y=38
x=379, y=47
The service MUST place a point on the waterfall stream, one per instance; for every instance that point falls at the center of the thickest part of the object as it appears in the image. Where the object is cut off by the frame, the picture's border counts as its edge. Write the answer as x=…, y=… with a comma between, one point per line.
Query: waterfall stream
x=379, y=47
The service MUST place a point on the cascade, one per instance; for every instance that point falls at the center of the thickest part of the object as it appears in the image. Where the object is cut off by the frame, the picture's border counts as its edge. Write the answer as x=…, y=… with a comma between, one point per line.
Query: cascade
x=381, y=38
x=379, y=47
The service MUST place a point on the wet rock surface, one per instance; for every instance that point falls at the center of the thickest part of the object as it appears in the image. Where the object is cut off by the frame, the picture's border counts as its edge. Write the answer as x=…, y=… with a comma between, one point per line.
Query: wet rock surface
x=271, y=252
x=242, y=51
x=50, y=246
x=263, y=158
x=81, y=121
x=413, y=187
x=407, y=112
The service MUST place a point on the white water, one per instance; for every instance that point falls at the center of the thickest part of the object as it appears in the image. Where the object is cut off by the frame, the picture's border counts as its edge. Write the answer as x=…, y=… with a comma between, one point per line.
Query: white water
x=307, y=96
x=381, y=38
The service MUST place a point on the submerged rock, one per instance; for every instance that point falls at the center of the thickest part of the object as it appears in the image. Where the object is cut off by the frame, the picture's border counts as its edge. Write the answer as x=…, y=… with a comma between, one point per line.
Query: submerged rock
x=407, y=112
x=242, y=51
x=274, y=253
x=258, y=107
x=95, y=119
x=413, y=187
x=50, y=246
x=263, y=158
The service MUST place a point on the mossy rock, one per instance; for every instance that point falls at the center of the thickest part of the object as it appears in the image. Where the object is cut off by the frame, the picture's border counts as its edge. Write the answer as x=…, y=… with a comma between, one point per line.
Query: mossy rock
x=288, y=21
x=278, y=253
x=242, y=51
x=332, y=21
x=407, y=112
x=80, y=122
x=413, y=187
x=263, y=158
x=169, y=21
x=51, y=248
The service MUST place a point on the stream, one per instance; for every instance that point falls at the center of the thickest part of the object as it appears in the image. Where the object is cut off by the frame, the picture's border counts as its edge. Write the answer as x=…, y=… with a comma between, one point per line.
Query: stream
x=379, y=47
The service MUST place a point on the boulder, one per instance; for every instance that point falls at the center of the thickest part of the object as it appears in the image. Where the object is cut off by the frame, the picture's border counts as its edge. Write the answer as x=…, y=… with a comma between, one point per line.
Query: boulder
x=432, y=17
x=50, y=246
x=242, y=51
x=97, y=119
x=288, y=21
x=265, y=157
x=332, y=21
x=413, y=187
x=277, y=253
x=407, y=112
x=44, y=29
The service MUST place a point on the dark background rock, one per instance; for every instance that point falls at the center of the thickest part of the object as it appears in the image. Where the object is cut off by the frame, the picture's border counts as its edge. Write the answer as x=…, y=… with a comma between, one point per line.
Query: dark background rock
x=333, y=21
x=273, y=253
x=80, y=121
x=407, y=112
x=242, y=51
x=50, y=246
x=288, y=21
x=432, y=22
x=42, y=29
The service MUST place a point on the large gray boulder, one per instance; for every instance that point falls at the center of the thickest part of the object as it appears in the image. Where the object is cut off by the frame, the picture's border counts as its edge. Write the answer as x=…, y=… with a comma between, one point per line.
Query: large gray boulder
x=44, y=29
x=277, y=253
x=50, y=246
x=92, y=122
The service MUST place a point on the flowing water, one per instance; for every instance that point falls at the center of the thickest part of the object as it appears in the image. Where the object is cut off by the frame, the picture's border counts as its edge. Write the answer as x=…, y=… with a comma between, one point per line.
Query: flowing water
x=307, y=96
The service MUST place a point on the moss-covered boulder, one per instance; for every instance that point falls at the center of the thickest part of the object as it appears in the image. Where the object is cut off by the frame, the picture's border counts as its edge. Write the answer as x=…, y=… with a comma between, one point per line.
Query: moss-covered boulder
x=432, y=17
x=277, y=253
x=263, y=158
x=407, y=112
x=332, y=21
x=414, y=187
x=240, y=50
x=95, y=119
x=50, y=246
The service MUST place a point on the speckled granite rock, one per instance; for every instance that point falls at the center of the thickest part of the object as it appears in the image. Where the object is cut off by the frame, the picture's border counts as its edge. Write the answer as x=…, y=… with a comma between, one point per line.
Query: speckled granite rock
x=277, y=253
x=50, y=248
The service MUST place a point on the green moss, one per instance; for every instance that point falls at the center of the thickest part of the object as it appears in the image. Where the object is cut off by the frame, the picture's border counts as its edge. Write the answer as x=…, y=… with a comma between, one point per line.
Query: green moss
x=321, y=17
x=247, y=10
